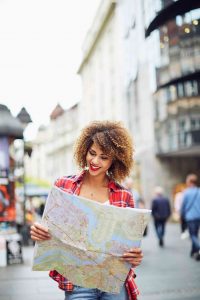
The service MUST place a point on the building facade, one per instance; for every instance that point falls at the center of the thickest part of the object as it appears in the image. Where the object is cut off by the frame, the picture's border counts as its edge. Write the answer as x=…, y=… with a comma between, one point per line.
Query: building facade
x=121, y=89
x=150, y=80
x=140, y=65
x=52, y=154
x=137, y=93
x=101, y=68
x=173, y=27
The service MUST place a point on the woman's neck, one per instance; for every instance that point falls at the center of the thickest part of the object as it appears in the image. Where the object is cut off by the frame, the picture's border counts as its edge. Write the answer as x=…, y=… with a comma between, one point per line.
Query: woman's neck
x=98, y=181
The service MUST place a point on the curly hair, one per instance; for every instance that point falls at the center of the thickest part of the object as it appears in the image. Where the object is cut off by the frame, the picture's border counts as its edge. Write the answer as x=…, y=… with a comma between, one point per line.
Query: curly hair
x=114, y=140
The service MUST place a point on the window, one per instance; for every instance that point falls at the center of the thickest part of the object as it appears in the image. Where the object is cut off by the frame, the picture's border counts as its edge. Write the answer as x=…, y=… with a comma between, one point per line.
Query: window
x=188, y=89
x=180, y=90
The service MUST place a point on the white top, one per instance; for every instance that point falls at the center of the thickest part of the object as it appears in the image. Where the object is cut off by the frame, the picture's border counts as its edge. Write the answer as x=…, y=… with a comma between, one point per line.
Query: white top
x=107, y=202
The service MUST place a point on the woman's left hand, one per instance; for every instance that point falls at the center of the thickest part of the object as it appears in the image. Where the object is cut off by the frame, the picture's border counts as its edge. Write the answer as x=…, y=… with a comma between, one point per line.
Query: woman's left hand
x=133, y=256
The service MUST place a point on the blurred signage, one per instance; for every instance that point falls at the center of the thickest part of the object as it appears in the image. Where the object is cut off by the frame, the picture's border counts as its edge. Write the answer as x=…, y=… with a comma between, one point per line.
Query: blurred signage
x=7, y=203
x=7, y=194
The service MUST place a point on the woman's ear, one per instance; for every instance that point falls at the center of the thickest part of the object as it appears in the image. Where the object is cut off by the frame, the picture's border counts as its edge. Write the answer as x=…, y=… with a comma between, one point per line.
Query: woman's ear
x=109, y=171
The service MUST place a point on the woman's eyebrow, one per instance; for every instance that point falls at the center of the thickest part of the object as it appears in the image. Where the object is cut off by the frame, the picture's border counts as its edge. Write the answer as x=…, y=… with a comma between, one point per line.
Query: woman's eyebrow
x=102, y=154
x=92, y=150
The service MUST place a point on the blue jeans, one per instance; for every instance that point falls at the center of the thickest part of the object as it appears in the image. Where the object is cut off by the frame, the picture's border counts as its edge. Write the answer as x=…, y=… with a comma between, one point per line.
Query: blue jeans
x=193, y=227
x=160, y=228
x=81, y=293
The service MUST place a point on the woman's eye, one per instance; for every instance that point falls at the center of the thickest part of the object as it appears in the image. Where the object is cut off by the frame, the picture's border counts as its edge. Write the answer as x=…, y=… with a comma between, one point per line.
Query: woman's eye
x=104, y=157
x=92, y=153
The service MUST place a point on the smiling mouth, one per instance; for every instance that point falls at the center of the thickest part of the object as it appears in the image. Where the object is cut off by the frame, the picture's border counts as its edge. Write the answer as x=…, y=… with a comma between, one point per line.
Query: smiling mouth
x=93, y=168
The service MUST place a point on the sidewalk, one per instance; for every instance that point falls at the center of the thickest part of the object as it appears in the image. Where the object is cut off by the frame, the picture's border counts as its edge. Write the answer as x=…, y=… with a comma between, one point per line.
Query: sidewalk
x=165, y=274
x=168, y=273
x=19, y=282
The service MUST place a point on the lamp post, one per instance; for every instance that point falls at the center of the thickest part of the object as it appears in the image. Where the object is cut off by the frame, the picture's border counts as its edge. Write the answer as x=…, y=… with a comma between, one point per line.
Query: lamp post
x=25, y=119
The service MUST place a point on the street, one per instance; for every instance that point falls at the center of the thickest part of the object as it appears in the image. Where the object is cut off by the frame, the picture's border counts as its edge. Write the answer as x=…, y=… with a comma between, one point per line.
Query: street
x=166, y=273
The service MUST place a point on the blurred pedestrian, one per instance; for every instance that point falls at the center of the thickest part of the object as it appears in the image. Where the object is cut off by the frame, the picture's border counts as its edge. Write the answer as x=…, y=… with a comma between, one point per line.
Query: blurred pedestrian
x=160, y=211
x=141, y=205
x=178, y=200
x=41, y=209
x=191, y=212
x=128, y=184
x=19, y=215
x=104, y=152
x=139, y=202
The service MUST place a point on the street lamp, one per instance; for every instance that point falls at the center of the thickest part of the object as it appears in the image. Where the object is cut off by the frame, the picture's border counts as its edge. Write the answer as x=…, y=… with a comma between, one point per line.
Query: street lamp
x=25, y=119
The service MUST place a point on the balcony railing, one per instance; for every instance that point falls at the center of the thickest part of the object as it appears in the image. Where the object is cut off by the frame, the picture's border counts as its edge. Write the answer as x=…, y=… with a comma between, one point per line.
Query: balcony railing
x=169, y=12
x=183, y=143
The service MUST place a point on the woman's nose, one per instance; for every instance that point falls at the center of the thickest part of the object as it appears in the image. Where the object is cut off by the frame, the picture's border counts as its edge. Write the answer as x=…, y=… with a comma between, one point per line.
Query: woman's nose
x=95, y=160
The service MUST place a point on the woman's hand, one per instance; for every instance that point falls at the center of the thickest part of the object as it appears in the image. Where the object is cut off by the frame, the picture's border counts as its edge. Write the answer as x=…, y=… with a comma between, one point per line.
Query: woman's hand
x=39, y=232
x=133, y=256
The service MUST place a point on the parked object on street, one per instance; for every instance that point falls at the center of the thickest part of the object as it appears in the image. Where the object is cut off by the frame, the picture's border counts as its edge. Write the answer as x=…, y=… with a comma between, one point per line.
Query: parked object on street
x=191, y=212
x=160, y=211
x=104, y=152
x=10, y=245
x=3, y=253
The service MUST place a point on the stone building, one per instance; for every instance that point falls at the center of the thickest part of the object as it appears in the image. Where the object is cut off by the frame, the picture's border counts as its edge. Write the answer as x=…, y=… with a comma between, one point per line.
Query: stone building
x=141, y=63
x=173, y=31
x=101, y=67
x=52, y=154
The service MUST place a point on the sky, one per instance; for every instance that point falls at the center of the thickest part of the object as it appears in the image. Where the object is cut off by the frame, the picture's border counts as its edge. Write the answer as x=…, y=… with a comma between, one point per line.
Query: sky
x=40, y=52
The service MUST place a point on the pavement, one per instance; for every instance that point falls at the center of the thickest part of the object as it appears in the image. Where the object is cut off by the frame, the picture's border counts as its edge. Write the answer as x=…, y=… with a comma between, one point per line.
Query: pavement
x=166, y=273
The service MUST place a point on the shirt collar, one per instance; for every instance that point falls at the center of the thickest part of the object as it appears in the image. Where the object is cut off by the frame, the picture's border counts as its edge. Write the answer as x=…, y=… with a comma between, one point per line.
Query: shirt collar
x=79, y=177
x=112, y=185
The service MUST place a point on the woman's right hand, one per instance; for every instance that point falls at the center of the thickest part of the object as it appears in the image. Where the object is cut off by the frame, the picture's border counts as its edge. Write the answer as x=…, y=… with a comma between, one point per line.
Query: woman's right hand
x=39, y=232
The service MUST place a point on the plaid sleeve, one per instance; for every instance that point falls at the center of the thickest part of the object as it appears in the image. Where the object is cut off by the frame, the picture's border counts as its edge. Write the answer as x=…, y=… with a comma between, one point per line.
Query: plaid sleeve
x=65, y=182
x=130, y=200
x=131, y=286
x=63, y=283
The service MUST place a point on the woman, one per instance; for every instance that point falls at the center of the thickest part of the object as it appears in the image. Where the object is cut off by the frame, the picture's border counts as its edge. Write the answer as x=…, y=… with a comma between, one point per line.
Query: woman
x=104, y=152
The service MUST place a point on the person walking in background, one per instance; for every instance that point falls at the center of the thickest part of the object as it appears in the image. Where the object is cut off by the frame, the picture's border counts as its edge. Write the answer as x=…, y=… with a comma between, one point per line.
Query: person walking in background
x=178, y=200
x=160, y=211
x=141, y=205
x=139, y=202
x=128, y=184
x=190, y=210
x=104, y=153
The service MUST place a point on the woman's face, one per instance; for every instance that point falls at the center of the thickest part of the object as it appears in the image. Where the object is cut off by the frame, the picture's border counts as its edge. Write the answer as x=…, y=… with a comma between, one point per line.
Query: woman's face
x=97, y=161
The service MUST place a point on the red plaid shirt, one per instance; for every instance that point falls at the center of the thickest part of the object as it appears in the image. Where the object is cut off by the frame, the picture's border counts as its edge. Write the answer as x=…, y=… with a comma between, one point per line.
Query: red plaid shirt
x=118, y=196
